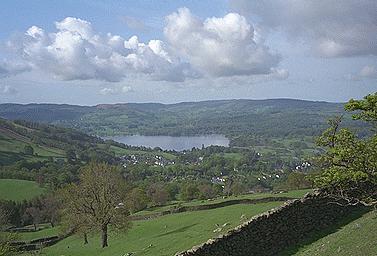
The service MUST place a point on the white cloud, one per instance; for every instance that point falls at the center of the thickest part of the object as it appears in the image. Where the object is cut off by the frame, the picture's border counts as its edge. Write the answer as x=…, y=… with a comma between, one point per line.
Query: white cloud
x=115, y=90
x=135, y=24
x=368, y=72
x=7, y=90
x=216, y=47
x=126, y=89
x=8, y=68
x=107, y=91
x=332, y=28
x=280, y=74
x=224, y=46
x=77, y=52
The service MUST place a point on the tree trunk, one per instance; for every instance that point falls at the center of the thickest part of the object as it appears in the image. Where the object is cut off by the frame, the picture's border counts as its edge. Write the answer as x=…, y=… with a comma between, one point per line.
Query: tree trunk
x=35, y=227
x=52, y=224
x=104, y=236
x=85, y=238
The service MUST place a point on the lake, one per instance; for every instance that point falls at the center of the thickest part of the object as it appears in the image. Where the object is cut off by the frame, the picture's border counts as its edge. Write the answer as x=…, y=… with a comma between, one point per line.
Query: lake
x=171, y=142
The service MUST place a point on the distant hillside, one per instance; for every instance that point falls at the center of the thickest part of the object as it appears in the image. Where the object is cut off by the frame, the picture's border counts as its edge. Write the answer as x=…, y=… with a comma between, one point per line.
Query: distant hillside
x=23, y=140
x=19, y=190
x=32, y=141
x=268, y=118
x=15, y=137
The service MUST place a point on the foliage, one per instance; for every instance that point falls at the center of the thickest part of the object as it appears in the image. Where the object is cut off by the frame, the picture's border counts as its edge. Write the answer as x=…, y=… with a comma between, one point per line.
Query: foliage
x=297, y=180
x=350, y=163
x=189, y=191
x=28, y=150
x=246, y=122
x=99, y=200
x=5, y=238
x=158, y=194
x=165, y=235
x=367, y=108
x=137, y=200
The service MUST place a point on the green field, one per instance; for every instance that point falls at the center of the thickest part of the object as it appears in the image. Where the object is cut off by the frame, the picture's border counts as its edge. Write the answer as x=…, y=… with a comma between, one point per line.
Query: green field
x=357, y=238
x=18, y=190
x=291, y=194
x=162, y=236
x=123, y=151
x=11, y=150
x=45, y=232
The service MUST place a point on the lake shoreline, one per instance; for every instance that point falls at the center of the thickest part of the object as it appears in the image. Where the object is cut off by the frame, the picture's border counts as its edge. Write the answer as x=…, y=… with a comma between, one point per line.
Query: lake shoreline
x=177, y=143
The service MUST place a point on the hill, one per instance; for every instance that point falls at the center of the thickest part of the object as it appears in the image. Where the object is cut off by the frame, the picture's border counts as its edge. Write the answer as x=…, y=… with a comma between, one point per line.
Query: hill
x=276, y=117
x=19, y=190
x=356, y=238
x=166, y=235
x=51, y=143
x=15, y=137
x=281, y=127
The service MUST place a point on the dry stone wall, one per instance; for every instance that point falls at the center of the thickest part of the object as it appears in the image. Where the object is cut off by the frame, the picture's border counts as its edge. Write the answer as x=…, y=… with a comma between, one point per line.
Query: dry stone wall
x=272, y=232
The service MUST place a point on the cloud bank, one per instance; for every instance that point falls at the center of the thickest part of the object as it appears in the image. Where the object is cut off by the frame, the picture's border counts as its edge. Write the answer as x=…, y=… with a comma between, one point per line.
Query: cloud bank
x=332, y=28
x=215, y=47
x=368, y=72
x=219, y=46
x=77, y=52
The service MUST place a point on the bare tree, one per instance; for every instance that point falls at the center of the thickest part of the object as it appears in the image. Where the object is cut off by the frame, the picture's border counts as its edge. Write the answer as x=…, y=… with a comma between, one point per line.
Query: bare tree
x=35, y=214
x=50, y=208
x=5, y=237
x=98, y=200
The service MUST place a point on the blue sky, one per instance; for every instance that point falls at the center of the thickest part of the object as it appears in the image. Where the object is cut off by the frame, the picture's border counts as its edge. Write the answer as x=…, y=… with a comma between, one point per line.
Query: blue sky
x=92, y=52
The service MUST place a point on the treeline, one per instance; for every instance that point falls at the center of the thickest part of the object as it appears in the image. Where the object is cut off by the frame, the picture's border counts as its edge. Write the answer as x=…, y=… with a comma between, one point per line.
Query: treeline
x=44, y=209
x=266, y=118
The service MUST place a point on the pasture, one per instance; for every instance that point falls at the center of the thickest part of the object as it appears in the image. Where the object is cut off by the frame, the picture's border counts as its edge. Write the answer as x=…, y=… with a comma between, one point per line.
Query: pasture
x=19, y=190
x=357, y=238
x=164, y=235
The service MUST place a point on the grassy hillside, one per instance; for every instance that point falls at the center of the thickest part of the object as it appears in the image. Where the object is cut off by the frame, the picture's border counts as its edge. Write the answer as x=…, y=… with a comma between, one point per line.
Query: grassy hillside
x=162, y=236
x=167, y=234
x=358, y=238
x=53, y=142
x=196, y=202
x=19, y=190
x=12, y=146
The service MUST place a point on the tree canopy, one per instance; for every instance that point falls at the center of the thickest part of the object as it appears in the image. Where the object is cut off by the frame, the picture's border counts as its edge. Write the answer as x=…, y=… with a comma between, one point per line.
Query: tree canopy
x=349, y=162
x=97, y=201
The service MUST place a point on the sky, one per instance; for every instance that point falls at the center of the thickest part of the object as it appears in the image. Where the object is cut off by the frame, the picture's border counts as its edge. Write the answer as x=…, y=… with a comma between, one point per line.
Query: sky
x=90, y=52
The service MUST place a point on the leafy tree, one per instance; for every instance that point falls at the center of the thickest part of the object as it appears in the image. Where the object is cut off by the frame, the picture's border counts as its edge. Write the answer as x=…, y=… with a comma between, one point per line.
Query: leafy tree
x=50, y=208
x=173, y=190
x=5, y=248
x=137, y=200
x=366, y=108
x=206, y=191
x=4, y=217
x=71, y=156
x=350, y=163
x=35, y=214
x=237, y=188
x=158, y=194
x=99, y=200
x=28, y=150
x=189, y=192
x=297, y=180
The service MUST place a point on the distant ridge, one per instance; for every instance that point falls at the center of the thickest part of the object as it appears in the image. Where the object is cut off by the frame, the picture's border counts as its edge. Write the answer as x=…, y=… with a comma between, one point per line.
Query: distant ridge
x=267, y=117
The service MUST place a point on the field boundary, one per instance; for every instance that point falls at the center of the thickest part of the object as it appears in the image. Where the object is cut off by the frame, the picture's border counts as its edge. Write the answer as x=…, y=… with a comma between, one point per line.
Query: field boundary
x=202, y=207
x=273, y=232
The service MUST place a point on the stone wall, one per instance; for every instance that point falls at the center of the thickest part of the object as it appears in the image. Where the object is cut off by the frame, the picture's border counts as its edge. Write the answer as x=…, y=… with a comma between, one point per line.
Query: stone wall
x=201, y=207
x=272, y=232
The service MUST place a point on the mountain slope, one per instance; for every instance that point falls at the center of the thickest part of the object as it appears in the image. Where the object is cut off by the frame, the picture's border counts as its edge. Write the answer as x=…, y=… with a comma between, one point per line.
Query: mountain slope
x=13, y=143
x=269, y=118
